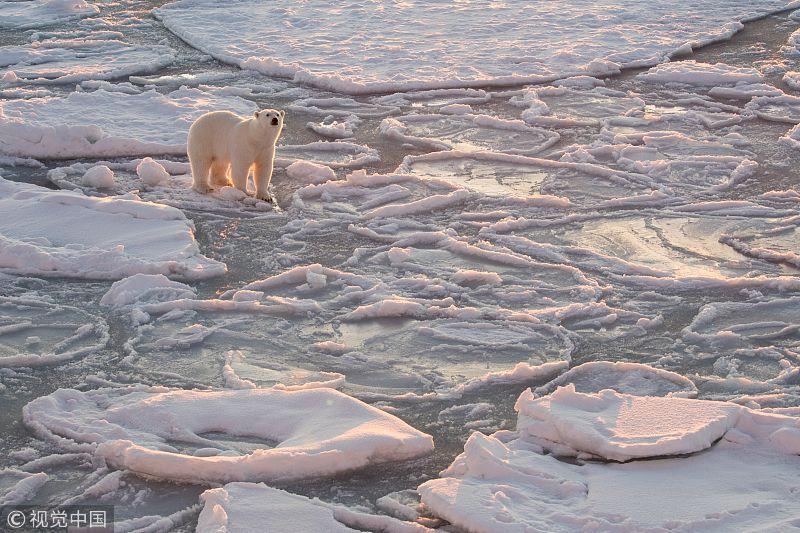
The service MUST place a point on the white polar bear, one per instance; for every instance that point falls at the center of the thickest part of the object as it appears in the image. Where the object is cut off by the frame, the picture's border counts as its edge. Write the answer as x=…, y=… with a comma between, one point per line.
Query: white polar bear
x=222, y=139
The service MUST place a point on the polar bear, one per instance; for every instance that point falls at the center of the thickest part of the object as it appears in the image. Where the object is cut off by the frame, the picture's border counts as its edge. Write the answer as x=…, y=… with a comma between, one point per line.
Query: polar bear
x=221, y=139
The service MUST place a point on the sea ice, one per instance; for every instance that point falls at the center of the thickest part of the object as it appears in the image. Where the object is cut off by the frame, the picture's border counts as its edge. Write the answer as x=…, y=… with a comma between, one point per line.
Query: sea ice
x=37, y=13
x=597, y=40
x=35, y=332
x=246, y=507
x=22, y=486
x=105, y=238
x=141, y=288
x=628, y=378
x=703, y=74
x=505, y=482
x=621, y=427
x=301, y=434
x=78, y=59
x=106, y=124
x=146, y=178
x=468, y=133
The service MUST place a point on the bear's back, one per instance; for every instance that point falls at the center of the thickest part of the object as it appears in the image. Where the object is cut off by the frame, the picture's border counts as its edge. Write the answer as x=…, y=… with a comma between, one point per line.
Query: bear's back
x=217, y=121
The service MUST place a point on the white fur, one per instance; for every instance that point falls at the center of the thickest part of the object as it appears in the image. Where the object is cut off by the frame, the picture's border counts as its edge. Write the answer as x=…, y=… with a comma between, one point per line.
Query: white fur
x=221, y=140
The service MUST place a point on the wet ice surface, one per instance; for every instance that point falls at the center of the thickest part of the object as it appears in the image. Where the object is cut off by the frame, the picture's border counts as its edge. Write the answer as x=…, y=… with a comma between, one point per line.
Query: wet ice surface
x=640, y=230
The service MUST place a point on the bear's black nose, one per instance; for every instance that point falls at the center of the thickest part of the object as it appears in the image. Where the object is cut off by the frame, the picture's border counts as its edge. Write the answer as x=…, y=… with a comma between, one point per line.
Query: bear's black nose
x=274, y=121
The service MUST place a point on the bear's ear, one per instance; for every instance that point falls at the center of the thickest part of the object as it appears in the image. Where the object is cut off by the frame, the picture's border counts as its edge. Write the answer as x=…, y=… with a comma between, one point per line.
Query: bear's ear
x=256, y=114
x=283, y=113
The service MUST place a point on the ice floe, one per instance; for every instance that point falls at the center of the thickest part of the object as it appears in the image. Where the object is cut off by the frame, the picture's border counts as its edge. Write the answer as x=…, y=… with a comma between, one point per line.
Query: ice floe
x=294, y=434
x=744, y=324
x=597, y=41
x=703, y=74
x=105, y=238
x=628, y=378
x=106, y=124
x=78, y=59
x=241, y=507
x=38, y=13
x=468, y=132
x=505, y=482
x=17, y=487
x=141, y=288
x=36, y=332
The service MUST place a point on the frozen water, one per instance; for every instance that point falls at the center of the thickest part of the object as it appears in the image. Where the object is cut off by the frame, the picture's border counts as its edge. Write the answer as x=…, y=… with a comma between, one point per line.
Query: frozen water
x=106, y=123
x=34, y=332
x=488, y=49
x=174, y=191
x=629, y=378
x=243, y=507
x=317, y=432
x=95, y=238
x=36, y=13
x=633, y=236
x=468, y=132
x=505, y=482
x=75, y=60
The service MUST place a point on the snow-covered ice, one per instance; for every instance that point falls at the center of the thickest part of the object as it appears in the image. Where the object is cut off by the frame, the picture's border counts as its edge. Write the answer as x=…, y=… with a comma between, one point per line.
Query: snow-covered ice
x=243, y=507
x=67, y=234
x=154, y=431
x=505, y=482
x=694, y=73
x=150, y=181
x=489, y=48
x=78, y=59
x=625, y=245
x=106, y=123
x=37, y=13
x=629, y=378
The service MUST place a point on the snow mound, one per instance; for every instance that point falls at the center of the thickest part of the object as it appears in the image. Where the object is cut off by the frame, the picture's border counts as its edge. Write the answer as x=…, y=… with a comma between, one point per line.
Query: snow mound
x=701, y=74
x=99, y=176
x=63, y=233
x=145, y=287
x=622, y=427
x=245, y=507
x=151, y=172
x=310, y=172
x=106, y=123
x=628, y=378
x=316, y=432
x=596, y=40
x=176, y=190
x=37, y=13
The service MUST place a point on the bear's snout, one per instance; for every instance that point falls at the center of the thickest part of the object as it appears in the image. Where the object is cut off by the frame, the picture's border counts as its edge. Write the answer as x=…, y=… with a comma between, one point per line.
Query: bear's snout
x=274, y=121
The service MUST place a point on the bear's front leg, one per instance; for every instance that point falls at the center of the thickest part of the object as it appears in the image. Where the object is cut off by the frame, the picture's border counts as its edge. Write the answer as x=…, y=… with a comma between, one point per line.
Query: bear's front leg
x=239, y=173
x=263, y=175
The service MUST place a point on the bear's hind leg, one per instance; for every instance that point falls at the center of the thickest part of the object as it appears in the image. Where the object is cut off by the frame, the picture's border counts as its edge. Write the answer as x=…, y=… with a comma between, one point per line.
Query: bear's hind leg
x=200, y=169
x=219, y=174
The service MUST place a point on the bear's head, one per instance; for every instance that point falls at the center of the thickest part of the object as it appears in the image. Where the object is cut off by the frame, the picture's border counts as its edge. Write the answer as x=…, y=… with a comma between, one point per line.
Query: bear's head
x=270, y=122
